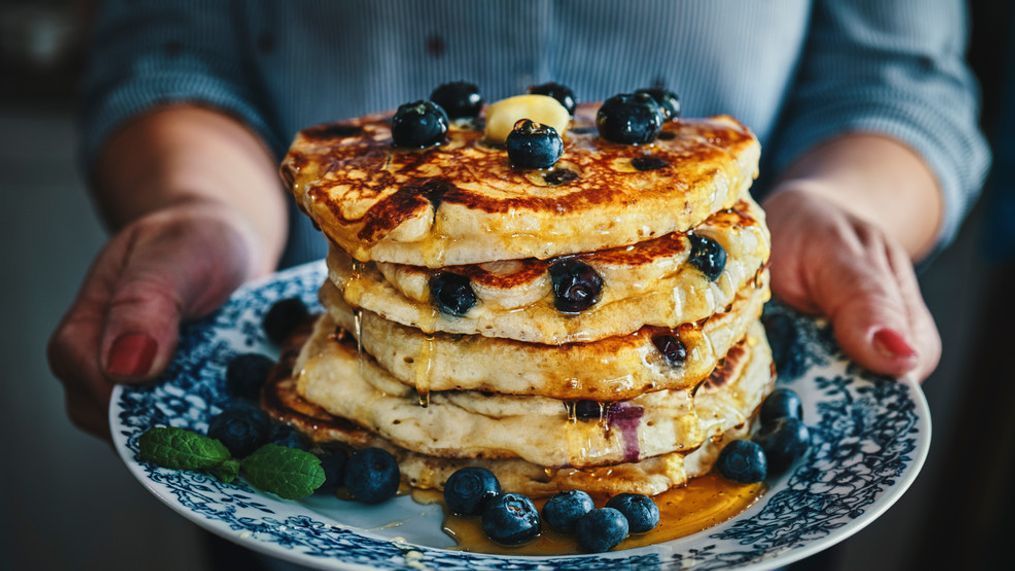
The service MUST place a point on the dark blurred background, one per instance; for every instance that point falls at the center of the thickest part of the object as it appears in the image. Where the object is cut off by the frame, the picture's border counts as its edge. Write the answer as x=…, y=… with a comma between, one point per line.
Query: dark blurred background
x=67, y=502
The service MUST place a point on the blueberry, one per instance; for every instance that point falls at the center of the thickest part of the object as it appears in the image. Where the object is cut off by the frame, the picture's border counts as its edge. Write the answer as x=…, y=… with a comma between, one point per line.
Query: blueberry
x=371, y=475
x=246, y=374
x=468, y=489
x=668, y=101
x=631, y=119
x=334, y=470
x=510, y=519
x=532, y=145
x=784, y=440
x=460, y=99
x=242, y=429
x=601, y=530
x=559, y=176
x=561, y=93
x=641, y=512
x=672, y=348
x=784, y=338
x=743, y=461
x=563, y=510
x=283, y=318
x=707, y=255
x=782, y=403
x=576, y=285
x=648, y=163
x=588, y=410
x=286, y=435
x=419, y=124
x=451, y=293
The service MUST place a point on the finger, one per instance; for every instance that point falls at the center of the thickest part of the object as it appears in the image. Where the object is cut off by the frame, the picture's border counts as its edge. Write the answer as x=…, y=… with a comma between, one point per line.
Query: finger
x=859, y=293
x=74, y=345
x=788, y=282
x=85, y=414
x=923, y=330
x=72, y=351
x=181, y=271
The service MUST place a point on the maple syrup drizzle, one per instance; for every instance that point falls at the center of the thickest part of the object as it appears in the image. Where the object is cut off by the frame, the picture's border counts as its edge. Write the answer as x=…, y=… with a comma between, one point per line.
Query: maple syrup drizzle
x=571, y=409
x=424, y=367
x=357, y=316
x=424, y=362
x=703, y=503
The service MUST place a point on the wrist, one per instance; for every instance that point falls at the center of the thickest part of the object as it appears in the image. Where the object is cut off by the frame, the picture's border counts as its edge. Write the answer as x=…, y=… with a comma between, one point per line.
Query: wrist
x=876, y=180
x=195, y=162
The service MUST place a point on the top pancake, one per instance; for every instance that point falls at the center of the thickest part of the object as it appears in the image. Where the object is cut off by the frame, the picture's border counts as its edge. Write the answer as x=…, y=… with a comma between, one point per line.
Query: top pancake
x=462, y=203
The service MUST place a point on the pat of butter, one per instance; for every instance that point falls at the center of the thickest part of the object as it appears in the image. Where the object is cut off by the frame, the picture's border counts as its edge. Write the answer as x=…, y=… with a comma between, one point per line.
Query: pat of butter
x=502, y=115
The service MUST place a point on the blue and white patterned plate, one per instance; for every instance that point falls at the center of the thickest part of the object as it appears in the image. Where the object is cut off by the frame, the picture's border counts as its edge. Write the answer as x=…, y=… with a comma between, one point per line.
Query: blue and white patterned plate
x=870, y=437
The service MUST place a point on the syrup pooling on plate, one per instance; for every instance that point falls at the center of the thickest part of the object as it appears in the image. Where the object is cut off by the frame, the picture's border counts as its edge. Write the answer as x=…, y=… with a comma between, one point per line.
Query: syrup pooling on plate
x=705, y=502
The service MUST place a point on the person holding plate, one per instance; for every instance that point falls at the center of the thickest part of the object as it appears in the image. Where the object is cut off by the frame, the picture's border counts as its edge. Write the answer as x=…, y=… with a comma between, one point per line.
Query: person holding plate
x=867, y=113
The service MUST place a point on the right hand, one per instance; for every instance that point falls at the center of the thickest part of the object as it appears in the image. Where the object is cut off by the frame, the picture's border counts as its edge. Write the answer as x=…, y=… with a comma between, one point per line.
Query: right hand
x=826, y=260
x=175, y=264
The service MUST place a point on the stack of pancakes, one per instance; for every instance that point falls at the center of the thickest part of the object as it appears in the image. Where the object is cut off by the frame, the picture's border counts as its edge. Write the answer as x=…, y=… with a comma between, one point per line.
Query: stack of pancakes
x=638, y=392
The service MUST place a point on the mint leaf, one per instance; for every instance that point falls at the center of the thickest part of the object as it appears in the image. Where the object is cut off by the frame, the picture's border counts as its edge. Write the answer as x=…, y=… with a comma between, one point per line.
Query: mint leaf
x=288, y=472
x=226, y=471
x=181, y=449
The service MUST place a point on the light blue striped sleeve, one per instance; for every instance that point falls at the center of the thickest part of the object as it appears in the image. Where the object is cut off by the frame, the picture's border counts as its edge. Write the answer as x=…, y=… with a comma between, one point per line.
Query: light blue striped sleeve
x=149, y=53
x=895, y=68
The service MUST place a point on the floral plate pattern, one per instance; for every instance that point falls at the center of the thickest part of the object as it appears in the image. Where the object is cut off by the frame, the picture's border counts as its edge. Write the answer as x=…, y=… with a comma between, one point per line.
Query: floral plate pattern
x=870, y=436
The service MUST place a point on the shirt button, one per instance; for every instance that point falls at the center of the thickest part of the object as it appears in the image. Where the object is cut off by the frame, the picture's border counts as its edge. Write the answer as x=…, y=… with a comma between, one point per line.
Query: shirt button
x=435, y=45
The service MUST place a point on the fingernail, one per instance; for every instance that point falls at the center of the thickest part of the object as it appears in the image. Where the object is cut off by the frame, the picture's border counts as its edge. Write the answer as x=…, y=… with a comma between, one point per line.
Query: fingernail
x=892, y=344
x=131, y=355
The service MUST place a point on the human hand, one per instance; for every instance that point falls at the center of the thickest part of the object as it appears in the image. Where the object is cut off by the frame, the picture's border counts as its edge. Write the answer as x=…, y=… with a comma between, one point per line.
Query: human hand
x=174, y=264
x=828, y=261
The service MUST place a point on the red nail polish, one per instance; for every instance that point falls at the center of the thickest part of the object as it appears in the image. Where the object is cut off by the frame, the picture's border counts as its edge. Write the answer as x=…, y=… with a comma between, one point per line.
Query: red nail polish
x=131, y=355
x=892, y=344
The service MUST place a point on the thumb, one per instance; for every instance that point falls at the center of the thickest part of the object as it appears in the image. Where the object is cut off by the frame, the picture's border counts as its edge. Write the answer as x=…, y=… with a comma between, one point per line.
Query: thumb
x=868, y=312
x=174, y=269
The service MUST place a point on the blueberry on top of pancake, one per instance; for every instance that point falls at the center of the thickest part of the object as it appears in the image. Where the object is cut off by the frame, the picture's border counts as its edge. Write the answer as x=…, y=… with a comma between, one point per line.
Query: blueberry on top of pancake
x=561, y=93
x=630, y=119
x=459, y=99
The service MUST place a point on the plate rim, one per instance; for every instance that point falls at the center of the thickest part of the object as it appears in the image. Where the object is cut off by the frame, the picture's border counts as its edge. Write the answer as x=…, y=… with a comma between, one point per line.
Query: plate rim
x=835, y=536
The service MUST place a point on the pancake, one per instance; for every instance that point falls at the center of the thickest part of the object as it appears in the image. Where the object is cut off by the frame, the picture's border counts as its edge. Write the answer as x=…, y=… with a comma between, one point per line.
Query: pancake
x=614, y=368
x=626, y=272
x=684, y=295
x=470, y=424
x=461, y=202
x=649, y=476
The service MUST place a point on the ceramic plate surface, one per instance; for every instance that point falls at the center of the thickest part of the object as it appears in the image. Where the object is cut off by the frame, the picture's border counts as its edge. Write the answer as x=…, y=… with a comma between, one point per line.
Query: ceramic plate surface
x=870, y=437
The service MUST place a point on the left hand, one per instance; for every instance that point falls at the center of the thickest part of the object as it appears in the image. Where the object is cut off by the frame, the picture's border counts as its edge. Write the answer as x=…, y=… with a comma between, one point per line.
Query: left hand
x=828, y=261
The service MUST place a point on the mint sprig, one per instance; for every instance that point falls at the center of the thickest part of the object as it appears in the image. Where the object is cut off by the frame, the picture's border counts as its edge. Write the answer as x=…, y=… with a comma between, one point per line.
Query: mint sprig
x=288, y=472
x=226, y=471
x=181, y=449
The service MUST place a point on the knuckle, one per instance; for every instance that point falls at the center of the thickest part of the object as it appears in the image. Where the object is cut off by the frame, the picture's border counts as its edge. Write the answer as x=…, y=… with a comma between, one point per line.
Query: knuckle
x=63, y=351
x=58, y=353
x=869, y=234
x=75, y=412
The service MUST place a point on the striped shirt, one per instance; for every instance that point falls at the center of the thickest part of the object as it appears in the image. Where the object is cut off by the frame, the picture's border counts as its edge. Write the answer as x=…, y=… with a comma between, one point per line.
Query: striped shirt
x=797, y=72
